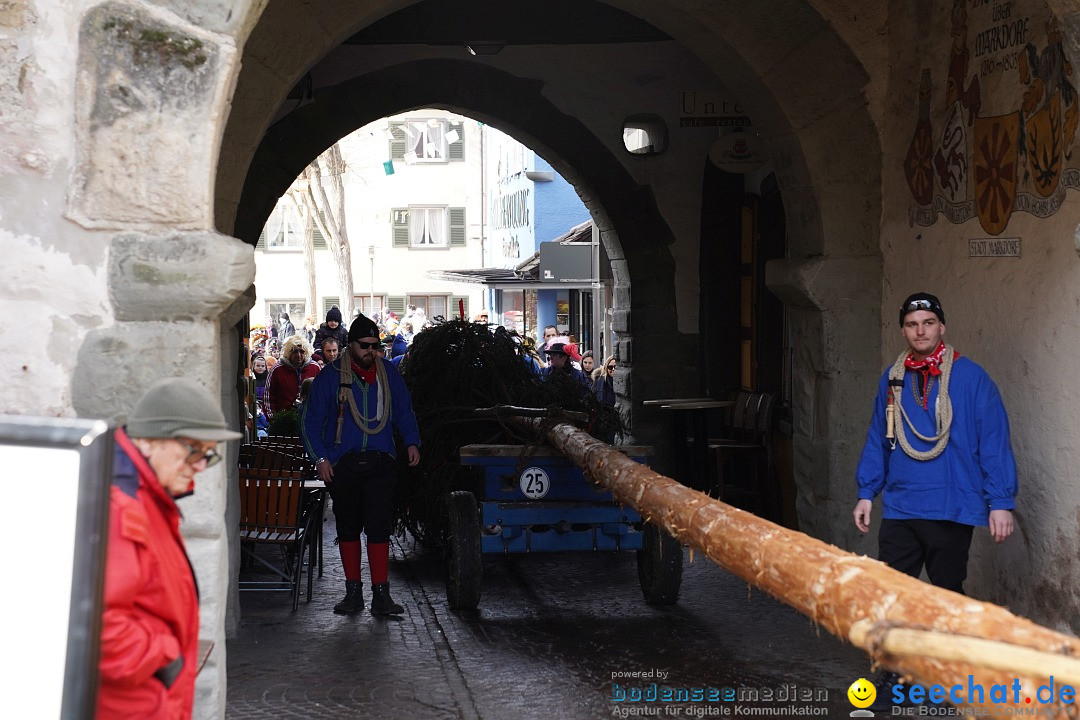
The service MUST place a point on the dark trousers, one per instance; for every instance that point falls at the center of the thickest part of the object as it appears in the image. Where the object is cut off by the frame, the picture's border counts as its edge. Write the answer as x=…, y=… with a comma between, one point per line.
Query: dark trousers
x=363, y=493
x=941, y=545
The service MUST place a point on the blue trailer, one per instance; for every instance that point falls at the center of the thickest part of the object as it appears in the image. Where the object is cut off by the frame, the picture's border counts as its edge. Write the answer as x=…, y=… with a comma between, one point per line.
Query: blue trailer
x=537, y=500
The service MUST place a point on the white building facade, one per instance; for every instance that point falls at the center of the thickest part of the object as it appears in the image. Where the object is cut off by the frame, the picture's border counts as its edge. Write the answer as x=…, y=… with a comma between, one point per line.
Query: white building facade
x=413, y=200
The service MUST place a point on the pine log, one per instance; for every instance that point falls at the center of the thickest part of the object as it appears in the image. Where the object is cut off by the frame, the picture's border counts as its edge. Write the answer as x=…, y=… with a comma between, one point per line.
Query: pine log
x=856, y=598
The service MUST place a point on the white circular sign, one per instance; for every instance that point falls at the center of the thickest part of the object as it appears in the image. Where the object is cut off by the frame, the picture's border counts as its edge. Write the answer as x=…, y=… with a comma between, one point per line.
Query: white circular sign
x=534, y=483
x=738, y=152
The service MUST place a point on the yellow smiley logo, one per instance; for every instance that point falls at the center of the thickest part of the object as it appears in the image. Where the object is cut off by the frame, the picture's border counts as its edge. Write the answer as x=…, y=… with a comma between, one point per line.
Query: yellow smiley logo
x=862, y=693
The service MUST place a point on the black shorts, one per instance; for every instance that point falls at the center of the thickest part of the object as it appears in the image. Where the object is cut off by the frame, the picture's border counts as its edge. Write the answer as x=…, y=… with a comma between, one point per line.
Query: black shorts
x=363, y=493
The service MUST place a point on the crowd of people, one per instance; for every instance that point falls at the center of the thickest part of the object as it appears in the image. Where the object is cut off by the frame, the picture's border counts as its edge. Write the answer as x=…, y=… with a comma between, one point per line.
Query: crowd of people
x=283, y=358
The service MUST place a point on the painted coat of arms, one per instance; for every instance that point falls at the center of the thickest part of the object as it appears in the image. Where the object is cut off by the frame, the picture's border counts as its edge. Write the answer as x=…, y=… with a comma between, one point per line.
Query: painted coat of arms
x=985, y=164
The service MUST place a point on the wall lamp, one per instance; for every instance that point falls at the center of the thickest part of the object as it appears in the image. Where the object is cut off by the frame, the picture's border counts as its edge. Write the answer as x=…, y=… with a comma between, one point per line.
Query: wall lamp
x=484, y=47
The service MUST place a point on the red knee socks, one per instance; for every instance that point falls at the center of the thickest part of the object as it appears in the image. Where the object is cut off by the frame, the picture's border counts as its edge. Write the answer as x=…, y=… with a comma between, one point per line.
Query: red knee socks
x=378, y=557
x=350, y=559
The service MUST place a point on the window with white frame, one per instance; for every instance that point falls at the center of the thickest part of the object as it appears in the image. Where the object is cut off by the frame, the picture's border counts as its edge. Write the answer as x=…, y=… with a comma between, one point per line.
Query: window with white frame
x=284, y=229
x=428, y=226
x=295, y=308
x=433, y=305
x=425, y=140
x=368, y=304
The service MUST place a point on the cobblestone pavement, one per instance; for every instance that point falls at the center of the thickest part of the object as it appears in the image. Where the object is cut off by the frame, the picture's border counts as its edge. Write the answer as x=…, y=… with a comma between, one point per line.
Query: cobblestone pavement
x=556, y=636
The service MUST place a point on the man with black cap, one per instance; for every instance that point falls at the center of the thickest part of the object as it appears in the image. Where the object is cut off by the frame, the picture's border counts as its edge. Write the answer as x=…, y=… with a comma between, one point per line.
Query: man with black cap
x=559, y=362
x=349, y=419
x=937, y=452
x=150, y=624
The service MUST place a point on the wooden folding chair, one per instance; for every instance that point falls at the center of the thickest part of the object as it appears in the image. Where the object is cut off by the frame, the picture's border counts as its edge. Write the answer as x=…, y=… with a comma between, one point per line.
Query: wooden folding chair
x=272, y=512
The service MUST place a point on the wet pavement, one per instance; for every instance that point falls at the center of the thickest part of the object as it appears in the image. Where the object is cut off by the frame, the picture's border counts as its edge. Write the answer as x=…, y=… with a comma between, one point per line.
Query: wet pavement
x=563, y=635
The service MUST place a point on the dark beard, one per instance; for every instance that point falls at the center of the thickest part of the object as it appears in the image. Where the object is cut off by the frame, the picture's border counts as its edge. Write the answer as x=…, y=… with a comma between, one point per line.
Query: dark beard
x=364, y=362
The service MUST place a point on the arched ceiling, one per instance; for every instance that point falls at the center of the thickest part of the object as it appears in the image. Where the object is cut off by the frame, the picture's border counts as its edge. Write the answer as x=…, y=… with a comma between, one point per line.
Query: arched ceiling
x=776, y=56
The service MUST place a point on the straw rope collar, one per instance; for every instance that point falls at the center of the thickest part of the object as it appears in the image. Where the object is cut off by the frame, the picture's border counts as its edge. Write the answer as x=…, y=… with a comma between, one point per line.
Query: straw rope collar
x=347, y=398
x=942, y=409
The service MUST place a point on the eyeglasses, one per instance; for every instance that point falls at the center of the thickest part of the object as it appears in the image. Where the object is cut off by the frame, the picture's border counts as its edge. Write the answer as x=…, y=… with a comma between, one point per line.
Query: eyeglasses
x=610, y=367
x=211, y=456
x=366, y=345
x=921, y=305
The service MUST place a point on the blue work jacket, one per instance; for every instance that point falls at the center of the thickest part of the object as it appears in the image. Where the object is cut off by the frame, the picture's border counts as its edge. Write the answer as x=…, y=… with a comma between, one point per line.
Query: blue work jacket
x=976, y=473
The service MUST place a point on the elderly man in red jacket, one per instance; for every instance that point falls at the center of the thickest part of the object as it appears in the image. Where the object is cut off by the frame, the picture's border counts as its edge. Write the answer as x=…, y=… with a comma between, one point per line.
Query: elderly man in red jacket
x=150, y=625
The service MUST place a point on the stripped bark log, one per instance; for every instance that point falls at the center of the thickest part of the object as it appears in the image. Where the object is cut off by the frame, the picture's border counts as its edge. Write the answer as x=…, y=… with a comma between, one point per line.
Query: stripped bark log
x=854, y=597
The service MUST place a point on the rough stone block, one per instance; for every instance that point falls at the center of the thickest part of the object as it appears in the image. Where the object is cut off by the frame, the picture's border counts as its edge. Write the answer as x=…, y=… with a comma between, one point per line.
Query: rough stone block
x=149, y=100
x=116, y=364
x=620, y=320
x=182, y=276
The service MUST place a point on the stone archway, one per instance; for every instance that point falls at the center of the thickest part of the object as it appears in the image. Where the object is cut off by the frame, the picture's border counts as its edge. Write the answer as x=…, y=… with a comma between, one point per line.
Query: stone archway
x=830, y=283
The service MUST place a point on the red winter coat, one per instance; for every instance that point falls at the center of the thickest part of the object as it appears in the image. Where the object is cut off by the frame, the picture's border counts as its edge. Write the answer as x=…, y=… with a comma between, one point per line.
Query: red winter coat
x=151, y=614
x=283, y=386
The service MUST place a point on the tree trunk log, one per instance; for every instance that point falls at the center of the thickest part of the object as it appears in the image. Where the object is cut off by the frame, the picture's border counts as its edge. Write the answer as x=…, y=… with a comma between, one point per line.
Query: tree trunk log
x=854, y=597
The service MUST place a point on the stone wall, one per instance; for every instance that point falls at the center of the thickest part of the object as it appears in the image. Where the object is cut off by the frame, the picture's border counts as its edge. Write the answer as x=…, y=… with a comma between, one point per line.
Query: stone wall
x=1014, y=315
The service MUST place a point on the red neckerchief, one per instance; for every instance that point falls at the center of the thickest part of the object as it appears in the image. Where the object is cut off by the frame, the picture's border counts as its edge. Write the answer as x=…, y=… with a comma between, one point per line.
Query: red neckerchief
x=929, y=364
x=367, y=376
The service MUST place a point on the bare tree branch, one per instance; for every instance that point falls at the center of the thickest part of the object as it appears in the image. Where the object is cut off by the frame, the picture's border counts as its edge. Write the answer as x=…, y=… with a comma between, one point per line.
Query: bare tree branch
x=325, y=197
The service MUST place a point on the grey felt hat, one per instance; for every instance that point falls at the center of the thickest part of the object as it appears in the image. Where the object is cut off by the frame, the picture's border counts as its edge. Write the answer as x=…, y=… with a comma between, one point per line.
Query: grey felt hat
x=178, y=407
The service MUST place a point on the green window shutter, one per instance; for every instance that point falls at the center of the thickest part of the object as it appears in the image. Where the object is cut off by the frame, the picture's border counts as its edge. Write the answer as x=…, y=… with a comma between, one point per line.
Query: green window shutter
x=457, y=227
x=317, y=239
x=452, y=311
x=399, y=222
x=261, y=245
x=396, y=303
x=397, y=145
x=329, y=302
x=455, y=151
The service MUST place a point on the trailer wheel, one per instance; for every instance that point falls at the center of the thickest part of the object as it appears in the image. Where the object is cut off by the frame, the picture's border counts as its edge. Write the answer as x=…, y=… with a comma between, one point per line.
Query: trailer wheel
x=463, y=556
x=659, y=564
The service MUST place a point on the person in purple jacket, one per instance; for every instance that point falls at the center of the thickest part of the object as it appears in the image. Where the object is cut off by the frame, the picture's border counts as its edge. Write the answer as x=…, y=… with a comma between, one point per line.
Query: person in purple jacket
x=349, y=418
x=943, y=464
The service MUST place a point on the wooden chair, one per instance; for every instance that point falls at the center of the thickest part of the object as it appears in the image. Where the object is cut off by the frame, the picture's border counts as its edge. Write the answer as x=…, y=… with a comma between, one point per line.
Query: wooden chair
x=749, y=436
x=273, y=513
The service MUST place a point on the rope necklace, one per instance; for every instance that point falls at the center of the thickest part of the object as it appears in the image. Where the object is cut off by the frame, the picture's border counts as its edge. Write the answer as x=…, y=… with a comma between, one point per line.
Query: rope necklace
x=923, y=399
x=943, y=408
x=346, y=397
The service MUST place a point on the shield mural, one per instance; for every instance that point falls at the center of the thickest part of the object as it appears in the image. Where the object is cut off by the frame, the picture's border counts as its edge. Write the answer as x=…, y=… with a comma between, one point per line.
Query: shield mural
x=918, y=168
x=950, y=160
x=995, y=169
x=1044, y=145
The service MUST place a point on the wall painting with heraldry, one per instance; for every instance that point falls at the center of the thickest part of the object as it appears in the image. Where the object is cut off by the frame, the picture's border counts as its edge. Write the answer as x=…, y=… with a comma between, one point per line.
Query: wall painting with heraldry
x=996, y=124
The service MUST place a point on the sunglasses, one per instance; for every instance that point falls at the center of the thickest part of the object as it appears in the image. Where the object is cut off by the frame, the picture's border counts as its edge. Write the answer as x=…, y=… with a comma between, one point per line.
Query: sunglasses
x=366, y=345
x=211, y=456
x=921, y=305
x=610, y=367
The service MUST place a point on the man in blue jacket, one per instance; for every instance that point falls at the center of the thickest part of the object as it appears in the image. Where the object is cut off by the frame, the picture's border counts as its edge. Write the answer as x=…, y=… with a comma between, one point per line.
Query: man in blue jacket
x=938, y=453
x=943, y=464
x=354, y=406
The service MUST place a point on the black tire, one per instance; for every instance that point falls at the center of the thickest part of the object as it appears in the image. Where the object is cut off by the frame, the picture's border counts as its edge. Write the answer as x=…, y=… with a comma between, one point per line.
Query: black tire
x=464, y=566
x=659, y=565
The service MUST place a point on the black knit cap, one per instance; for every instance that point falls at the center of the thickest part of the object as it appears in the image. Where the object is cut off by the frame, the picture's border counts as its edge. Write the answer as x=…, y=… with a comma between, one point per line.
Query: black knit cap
x=363, y=327
x=333, y=314
x=922, y=301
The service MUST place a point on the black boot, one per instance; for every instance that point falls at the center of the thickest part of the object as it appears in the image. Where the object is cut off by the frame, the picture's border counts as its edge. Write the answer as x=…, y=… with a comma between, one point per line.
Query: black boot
x=382, y=603
x=883, y=684
x=354, y=599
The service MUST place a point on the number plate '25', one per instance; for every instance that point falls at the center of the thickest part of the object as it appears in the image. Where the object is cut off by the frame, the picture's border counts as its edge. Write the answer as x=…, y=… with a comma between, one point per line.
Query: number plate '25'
x=534, y=483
